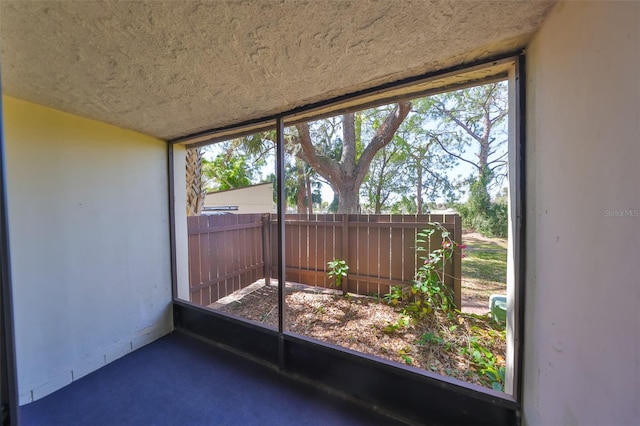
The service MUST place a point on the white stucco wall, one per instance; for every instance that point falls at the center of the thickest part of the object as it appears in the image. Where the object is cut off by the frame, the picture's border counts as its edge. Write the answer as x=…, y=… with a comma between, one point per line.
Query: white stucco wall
x=89, y=242
x=182, y=237
x=582, y=339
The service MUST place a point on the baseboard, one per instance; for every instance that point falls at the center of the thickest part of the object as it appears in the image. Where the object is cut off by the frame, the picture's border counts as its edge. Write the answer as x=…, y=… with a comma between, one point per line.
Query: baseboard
x=62, y=377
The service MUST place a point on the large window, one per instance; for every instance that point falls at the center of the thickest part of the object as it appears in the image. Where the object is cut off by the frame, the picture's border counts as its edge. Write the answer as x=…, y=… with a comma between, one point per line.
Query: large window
x=387, y=229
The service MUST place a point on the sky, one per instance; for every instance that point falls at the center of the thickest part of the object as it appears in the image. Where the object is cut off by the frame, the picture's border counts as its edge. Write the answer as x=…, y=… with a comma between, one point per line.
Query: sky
x=461, y=170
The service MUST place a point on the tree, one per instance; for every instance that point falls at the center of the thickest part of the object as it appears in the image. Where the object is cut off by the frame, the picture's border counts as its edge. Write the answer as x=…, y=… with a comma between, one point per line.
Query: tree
x=299, y=187
x=334, y=149
x=471, y=120
x=225, y=173
x=385, y=179
x=195, y=189
x=480, y=213
x=406, y=205
x=312, y=187
x=232, y=167
x=346, y=173
x=426, y=168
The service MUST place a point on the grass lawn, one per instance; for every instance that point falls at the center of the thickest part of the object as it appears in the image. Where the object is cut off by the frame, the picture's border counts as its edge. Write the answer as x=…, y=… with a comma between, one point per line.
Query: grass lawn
x=484, y=270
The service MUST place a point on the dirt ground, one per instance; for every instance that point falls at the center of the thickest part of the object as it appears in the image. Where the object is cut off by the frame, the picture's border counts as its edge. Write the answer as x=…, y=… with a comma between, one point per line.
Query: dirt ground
x=361, y=323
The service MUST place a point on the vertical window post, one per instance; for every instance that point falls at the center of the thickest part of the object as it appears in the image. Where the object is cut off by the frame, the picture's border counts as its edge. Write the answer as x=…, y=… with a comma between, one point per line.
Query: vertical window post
x=281, y=217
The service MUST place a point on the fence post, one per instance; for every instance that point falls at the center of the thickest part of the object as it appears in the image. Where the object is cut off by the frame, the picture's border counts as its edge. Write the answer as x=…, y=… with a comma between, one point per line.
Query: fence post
x=266, y=247
x=345, y=249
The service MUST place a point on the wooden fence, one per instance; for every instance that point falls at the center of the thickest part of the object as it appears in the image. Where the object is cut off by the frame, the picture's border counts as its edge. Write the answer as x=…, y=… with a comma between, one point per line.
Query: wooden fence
x=231, y=251
x=225, y=254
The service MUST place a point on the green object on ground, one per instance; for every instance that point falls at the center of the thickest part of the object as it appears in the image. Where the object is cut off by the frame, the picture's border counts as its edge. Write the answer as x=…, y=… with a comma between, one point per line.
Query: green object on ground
x=498, y=307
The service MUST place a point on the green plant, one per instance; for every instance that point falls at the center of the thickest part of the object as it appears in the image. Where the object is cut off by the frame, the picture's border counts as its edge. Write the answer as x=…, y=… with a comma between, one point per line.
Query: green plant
x=428, y=290
x=402, y=322
x=485, y=363
x=489, y=218
x=430, y=338
x=480, y=213
x=337, y=271
x=395, y=295
x=429, y=287
x=404, y=354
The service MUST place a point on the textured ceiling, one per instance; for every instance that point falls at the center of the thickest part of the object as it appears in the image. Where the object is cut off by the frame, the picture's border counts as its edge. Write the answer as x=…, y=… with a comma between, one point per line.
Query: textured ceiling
x=173, y=68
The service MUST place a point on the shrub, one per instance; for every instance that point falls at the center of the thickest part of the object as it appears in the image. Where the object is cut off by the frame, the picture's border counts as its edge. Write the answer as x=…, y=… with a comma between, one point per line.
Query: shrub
x=483, y=215
x=491, y=222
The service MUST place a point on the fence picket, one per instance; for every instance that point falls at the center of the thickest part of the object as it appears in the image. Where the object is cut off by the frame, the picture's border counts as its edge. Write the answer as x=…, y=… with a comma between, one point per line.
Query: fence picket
x=230, y=252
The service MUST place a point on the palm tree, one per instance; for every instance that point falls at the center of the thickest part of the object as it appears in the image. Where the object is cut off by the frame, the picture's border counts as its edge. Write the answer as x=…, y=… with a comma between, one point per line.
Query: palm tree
x=195, y=190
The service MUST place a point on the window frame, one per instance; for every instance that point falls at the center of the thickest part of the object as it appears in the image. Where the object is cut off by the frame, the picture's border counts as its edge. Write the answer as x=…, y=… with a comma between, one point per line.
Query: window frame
x=284, y=351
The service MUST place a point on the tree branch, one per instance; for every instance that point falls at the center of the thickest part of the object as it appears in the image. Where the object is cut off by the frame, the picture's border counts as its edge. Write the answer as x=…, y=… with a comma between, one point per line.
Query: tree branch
x=456, y=155
x=450, y=114
x=324, y=166
x=382, y=137
x=498, y=117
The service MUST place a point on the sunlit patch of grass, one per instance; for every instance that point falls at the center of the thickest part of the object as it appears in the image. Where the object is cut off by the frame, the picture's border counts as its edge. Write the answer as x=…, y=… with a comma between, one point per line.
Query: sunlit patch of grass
x=479, y=289
x=484, y=270
x=492, y=254
x=484, y=246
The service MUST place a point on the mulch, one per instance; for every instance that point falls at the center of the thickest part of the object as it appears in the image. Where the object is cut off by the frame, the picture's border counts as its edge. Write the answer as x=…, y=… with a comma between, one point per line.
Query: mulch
x=361, y=323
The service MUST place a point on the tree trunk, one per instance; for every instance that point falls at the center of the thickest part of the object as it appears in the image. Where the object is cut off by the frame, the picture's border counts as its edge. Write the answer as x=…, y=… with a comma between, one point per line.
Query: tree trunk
x=309, y=194
x=348, y=200
x=300, y=188
x=195, y=191
x=419, y=188
x=378, y=203
x=485, y=145
x=347, y=174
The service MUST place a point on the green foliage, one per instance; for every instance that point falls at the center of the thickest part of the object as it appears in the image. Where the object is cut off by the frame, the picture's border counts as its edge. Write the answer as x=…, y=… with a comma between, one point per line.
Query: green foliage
x=395, y=296
x=428, y=290
x=484, y=362
x=337, y=270
x=333, y=207
x=472, y=342
x=479, y=199
x=228, y=172
x=402, y=322
x=405, y=357
x=429, y=286
x=480, y=213
x=492, y=222
x=385, y=179
x=406, y=205
x=430, y=338
x=236, y=163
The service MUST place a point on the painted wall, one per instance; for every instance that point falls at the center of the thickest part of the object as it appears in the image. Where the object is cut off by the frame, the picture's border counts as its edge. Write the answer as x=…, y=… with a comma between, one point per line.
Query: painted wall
x=582, y=339
x=182, y=236
x=89, y=242
x=250, y=199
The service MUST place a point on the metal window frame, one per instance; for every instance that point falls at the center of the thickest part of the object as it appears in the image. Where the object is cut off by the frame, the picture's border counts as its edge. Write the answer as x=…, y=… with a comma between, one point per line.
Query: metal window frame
x=338, y=369
x=9, y=414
